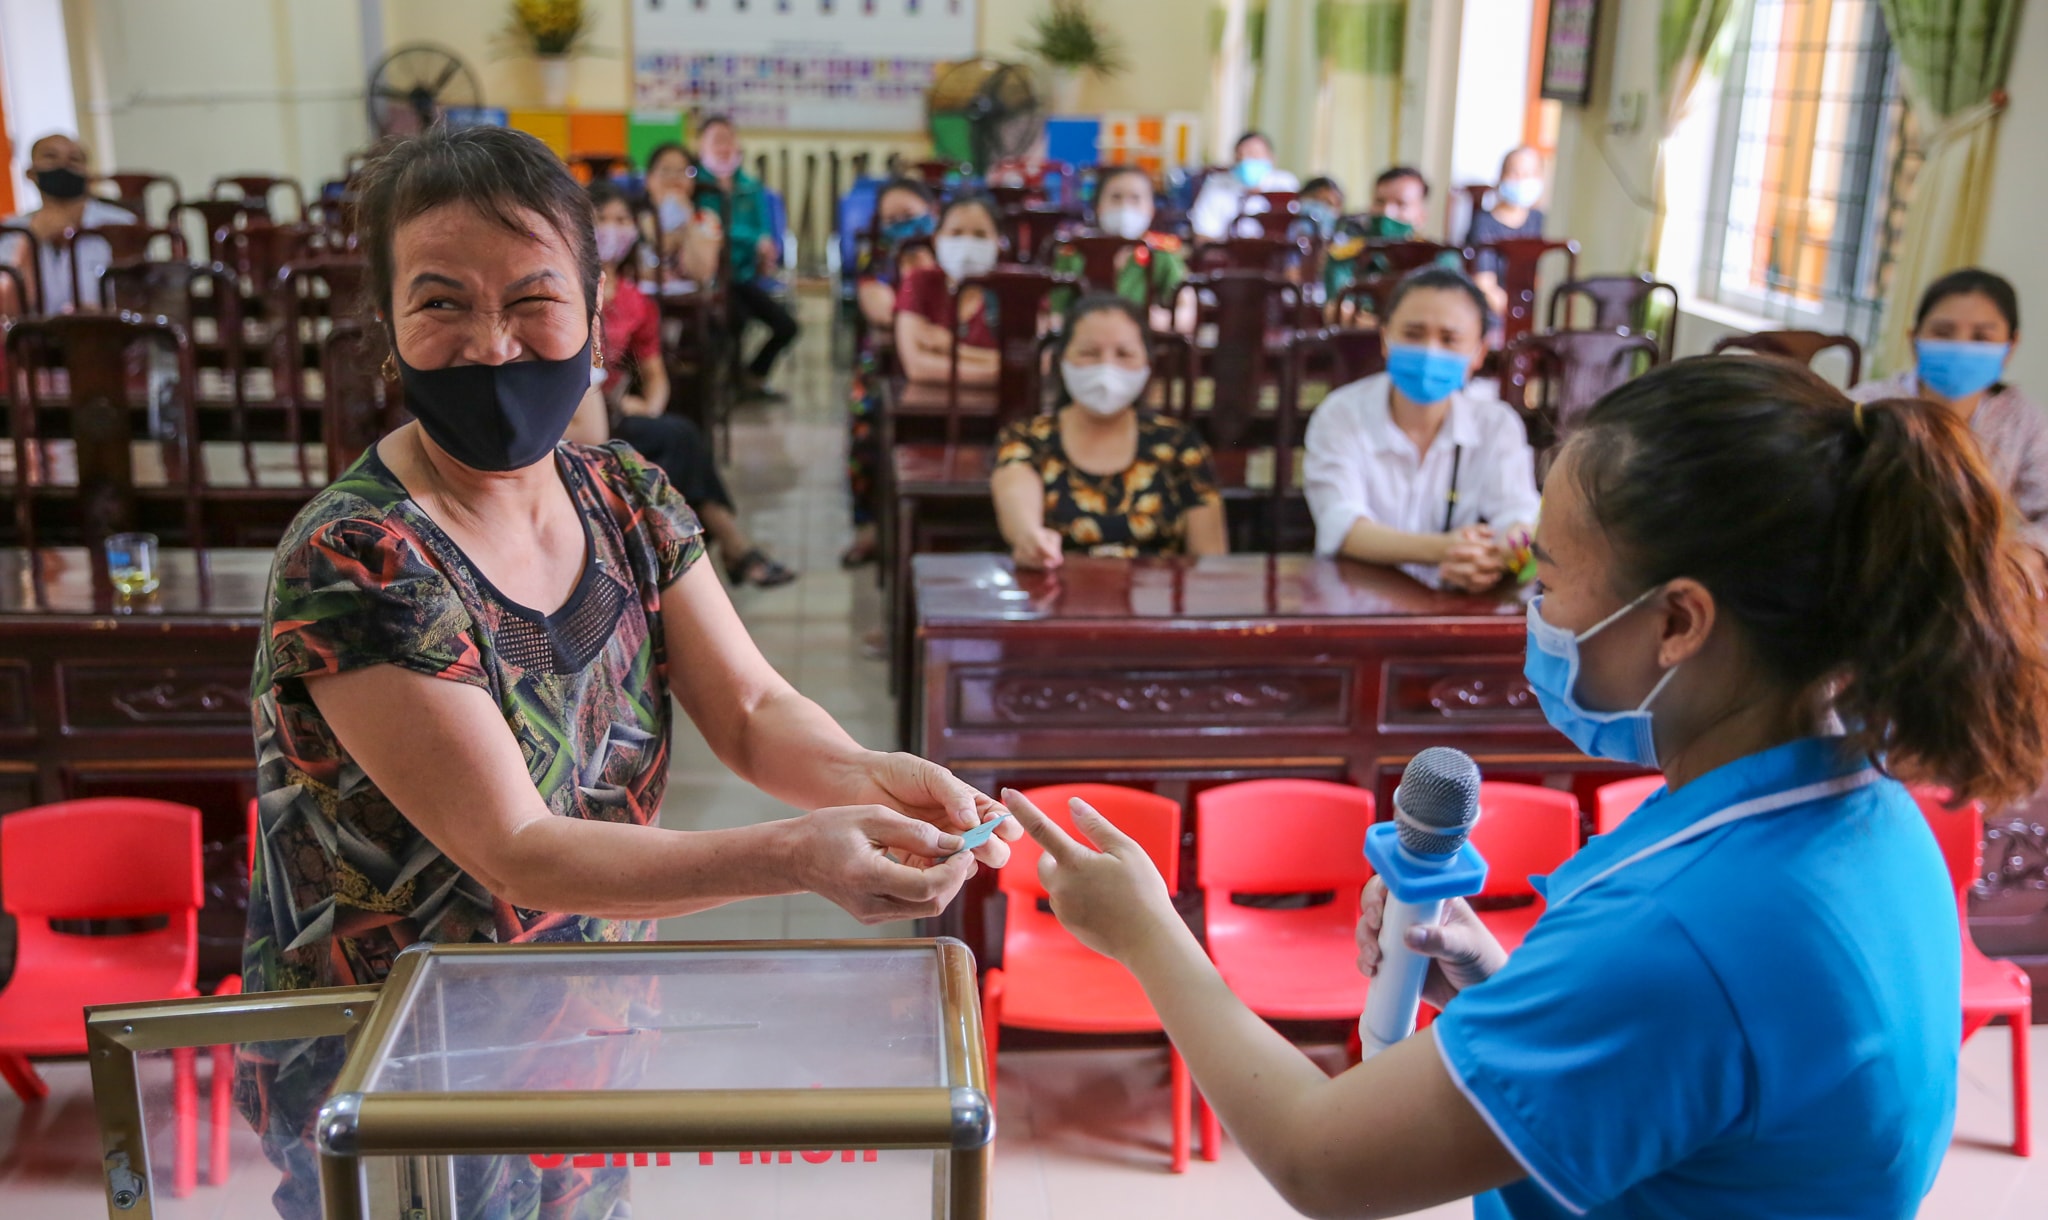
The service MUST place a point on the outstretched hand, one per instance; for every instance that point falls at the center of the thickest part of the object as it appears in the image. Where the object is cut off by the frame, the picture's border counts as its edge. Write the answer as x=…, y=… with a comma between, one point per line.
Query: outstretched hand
x=1113, y=900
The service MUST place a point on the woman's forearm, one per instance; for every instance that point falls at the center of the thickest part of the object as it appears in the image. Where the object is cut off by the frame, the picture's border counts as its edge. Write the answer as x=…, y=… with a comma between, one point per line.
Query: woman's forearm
x=618, y=870
x=1371, y=542
x=1019, y=495
x=793, y=750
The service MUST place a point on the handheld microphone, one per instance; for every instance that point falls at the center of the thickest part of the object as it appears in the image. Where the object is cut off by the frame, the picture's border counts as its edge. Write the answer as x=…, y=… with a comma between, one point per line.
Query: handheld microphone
x=1424, y=858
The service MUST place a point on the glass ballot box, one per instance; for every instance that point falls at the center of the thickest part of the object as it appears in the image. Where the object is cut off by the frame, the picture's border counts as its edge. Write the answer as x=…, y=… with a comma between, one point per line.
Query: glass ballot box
x=586, y=1081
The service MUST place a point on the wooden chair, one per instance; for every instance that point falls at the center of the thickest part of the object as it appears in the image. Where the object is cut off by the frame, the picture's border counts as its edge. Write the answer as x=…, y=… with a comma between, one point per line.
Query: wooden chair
x=1521, y=262
x=1282, y=209
x=1255, y=313
x=361, y=406
x=132, y=189
x=1099, y=253
x=1800, y=346
x=1574, y=369
x=1620, y=302
x=30, y=287
x=310, y=298
x=217, y=219
x=254, y=191
x=1019, y=295
x=93, y=353
x=934, y=172
x=1267, y=255
x=137, y=243
x=1031, y=229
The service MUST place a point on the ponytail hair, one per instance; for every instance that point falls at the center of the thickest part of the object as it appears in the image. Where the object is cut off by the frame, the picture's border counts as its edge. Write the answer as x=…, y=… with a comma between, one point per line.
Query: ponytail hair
x=1863, y=550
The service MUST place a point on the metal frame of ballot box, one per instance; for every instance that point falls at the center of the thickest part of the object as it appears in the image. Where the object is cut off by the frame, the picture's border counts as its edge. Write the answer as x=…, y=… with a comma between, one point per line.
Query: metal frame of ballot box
x=416, y=1132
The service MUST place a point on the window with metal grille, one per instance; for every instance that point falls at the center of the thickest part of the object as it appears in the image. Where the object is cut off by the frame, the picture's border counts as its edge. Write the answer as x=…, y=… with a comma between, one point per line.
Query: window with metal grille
x=1813, y=165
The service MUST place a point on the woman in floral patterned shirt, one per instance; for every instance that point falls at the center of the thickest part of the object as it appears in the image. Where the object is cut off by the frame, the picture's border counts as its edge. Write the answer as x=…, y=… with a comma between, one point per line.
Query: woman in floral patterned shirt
x=1103, y=474
x=462, y=703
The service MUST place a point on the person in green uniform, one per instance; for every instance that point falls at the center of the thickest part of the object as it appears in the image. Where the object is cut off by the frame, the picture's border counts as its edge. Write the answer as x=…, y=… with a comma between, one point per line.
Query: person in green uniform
x=741, y=202
x=1124, y=207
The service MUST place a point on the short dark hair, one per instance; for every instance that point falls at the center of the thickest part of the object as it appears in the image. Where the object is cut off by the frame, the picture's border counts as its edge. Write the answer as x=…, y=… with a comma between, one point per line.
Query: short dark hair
x=665, y=148
x=1398, y=172
x=1110, y=173
x=1321, y=182
x=1249, y=136
x=1440, y=279
x=1094, y=303
x=1865, y=550
x=909, y=186
x=1972, y=281
x=973, y=199
x=496, y=170
x=714, y=119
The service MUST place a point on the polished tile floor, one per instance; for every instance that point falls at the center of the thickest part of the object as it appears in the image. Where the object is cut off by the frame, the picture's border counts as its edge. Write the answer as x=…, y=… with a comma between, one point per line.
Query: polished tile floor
x=1082, y=1133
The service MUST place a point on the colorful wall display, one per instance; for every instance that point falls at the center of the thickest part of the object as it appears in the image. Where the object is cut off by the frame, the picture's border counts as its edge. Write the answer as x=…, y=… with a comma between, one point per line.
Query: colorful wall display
x=832, y=65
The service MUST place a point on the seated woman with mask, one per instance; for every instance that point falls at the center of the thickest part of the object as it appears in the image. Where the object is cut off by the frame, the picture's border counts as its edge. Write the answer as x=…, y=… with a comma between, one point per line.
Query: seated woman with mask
x=1103, y=474
x=1514, y=214
x=904, y=211
x=967, y=247
x=691, y=237
x=1405, y=467
x=1124, y=207
x=630, y=403
x=1963, y=336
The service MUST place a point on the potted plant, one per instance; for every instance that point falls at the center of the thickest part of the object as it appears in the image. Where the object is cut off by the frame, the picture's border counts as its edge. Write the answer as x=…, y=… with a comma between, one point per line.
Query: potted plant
x=553, y=32
x=1071, y=40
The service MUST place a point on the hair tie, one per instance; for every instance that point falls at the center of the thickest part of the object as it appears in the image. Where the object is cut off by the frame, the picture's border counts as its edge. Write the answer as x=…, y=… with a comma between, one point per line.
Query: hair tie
x=1856, y=417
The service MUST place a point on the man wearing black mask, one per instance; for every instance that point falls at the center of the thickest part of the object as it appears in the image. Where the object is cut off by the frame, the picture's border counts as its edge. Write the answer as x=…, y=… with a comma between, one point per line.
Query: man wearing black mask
x=57, y=168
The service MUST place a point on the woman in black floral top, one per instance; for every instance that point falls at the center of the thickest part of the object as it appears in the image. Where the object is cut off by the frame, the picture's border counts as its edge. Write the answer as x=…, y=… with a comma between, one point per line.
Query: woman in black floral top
x=462, y=701
x=1103, y=475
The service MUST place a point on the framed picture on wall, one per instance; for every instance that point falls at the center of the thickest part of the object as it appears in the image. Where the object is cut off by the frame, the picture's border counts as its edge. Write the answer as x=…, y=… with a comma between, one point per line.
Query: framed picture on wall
x=1568, y=50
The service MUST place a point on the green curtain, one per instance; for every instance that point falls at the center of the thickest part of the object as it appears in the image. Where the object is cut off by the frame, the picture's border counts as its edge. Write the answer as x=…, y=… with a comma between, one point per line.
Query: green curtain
x=1954, y=55
x=1358, y=114
x=1687, y=31
x=1321, y=77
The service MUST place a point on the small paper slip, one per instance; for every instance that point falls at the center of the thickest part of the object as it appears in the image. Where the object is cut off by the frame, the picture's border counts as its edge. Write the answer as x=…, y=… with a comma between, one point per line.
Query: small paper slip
x=979, y=835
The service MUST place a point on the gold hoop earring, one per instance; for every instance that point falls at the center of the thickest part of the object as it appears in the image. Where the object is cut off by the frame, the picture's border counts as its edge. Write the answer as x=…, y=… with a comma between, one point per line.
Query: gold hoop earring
x=390, y=367
x=597, y=350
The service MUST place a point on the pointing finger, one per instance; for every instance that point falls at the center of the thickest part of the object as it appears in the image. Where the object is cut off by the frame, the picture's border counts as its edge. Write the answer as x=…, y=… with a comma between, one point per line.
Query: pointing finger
x=1058, y=844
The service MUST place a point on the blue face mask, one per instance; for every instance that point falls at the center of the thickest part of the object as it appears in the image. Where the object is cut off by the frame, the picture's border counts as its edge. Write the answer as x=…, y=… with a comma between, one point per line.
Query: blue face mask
x=1426, y=375
x=1253, y=170
x=1955, y=369
x=1321, y=215
x=1552, y=669
x=904, y=230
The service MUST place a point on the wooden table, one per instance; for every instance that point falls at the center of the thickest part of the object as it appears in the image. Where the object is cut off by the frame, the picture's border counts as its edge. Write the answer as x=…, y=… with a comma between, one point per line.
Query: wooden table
x=149, y=698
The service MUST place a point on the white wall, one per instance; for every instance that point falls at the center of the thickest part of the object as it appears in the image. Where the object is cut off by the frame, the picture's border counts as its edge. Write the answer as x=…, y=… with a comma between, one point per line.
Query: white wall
x=35, y=74
x=1493, y=86
x=201, y=88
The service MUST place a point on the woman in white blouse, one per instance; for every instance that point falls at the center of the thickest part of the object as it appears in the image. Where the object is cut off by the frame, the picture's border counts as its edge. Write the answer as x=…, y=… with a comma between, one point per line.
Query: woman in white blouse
x=1406, y=467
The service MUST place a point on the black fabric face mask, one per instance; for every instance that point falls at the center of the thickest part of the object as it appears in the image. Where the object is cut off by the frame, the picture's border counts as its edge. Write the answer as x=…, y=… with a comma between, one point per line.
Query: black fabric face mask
x=60, y=184
x=497, y=417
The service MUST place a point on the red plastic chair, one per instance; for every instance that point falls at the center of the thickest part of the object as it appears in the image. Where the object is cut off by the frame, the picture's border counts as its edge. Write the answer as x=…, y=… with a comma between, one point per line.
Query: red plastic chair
x=1614, y=802
x=1992, y=987
x=1049, y=980
x=1523, y=831
x=110, y=858
x=1281, y=836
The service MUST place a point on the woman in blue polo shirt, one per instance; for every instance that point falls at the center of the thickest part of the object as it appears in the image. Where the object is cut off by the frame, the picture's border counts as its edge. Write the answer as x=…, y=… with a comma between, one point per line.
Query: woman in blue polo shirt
x=1745, y=1000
